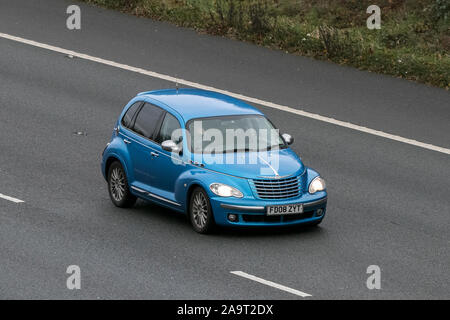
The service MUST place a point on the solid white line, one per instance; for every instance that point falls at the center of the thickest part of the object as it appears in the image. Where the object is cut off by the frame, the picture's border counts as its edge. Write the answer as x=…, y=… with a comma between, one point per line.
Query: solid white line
x=235, y=95
x=11, y=199
x=271, y=284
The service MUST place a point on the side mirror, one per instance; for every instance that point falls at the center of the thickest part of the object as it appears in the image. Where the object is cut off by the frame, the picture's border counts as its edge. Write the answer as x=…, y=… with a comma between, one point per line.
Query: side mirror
x=170, y=146
x=288, y=139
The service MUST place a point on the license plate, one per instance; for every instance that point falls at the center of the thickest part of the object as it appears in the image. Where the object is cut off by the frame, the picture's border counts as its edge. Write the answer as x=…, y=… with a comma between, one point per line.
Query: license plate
x=284, y=209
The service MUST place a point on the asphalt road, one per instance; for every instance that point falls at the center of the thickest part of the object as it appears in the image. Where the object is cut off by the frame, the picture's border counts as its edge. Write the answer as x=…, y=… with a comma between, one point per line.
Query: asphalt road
x=389, y=202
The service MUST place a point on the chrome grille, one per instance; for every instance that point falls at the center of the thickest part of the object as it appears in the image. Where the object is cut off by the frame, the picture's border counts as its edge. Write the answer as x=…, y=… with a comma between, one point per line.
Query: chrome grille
x=277, y=188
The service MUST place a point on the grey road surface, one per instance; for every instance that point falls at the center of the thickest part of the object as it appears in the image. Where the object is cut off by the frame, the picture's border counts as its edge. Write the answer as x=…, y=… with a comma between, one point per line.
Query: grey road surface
x=389, y=202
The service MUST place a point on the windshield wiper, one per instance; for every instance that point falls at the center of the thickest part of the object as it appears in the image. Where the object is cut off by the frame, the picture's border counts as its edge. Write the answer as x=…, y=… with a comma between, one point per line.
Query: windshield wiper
x=238, y=150
x=280, y=146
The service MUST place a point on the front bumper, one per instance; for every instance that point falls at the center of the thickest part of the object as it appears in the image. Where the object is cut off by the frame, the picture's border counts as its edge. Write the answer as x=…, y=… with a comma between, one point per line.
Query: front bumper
x=253, y=212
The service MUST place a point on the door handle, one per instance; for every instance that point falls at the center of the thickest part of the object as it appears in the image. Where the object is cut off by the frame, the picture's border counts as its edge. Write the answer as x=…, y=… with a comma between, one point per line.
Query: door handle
x=126, y=141
x=154, y=154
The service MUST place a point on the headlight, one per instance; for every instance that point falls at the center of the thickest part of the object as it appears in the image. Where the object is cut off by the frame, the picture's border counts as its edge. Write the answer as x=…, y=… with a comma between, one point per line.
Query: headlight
x=318, y=184
x=223, y=190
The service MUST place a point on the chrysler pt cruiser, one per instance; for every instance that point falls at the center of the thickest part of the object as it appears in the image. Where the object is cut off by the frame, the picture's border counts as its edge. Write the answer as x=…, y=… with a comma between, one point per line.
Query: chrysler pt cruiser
x=212, y=157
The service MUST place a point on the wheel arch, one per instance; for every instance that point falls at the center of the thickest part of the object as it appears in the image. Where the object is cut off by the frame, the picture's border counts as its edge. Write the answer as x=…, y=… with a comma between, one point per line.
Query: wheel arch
x=189, y=193
x=110, y=160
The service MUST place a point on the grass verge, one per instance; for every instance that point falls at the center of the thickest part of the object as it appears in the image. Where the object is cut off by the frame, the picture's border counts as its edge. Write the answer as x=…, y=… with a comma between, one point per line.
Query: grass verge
x=413, y=42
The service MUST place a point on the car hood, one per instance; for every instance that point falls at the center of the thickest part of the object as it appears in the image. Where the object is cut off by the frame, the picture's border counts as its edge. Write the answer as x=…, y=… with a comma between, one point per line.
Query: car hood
x=254, y=165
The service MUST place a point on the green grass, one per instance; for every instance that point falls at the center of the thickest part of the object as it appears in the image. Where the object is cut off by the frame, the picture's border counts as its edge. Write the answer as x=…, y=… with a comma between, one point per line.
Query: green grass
x=413, y=42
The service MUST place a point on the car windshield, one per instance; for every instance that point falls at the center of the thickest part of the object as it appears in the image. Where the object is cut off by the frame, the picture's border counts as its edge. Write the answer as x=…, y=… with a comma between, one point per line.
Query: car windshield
x=225, y=134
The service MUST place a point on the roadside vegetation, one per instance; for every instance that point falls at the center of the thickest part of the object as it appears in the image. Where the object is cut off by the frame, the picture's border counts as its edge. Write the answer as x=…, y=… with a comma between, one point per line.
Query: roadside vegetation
x=413, y=42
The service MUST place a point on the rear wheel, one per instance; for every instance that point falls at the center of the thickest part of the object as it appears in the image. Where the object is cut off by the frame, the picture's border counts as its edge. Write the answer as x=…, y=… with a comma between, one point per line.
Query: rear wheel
x=200, y=212
x=119, y=190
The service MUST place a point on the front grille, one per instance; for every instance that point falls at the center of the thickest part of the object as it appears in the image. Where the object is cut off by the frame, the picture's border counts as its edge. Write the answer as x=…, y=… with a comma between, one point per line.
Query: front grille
x=277, y=188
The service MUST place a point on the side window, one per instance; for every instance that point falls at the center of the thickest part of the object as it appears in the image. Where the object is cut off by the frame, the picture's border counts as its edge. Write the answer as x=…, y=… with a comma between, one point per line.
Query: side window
x=126, y=120
x=147, y=120
x=169, y=125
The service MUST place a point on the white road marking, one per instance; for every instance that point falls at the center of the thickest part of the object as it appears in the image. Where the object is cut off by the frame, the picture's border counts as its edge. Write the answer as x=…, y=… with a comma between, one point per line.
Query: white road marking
x=2, y=196
x=235, y=95
x=271, y=284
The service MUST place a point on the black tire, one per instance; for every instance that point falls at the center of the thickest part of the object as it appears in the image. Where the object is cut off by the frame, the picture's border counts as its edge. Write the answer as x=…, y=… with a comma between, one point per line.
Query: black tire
x=200, y=212
x=119, y=190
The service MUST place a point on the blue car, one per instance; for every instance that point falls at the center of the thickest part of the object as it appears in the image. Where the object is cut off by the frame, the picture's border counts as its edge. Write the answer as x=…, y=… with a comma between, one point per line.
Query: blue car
x=212, y=157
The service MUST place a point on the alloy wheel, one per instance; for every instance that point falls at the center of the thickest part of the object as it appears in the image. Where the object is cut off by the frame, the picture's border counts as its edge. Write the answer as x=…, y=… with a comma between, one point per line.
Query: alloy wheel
x=200, y=210
x=117, y=184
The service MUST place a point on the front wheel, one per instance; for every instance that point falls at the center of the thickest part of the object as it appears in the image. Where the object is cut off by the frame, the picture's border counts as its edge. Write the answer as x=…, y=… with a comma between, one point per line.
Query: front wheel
x=200, y=212
x=119, y=190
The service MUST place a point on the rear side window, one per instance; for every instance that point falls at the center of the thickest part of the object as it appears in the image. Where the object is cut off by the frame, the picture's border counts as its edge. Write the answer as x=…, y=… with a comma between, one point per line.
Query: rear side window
x=168, y=128
x=147, y=120
x=128, y=117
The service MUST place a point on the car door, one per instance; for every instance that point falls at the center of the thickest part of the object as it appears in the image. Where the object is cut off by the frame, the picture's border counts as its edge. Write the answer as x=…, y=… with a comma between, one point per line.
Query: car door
x=167, y=167
x=140, y=143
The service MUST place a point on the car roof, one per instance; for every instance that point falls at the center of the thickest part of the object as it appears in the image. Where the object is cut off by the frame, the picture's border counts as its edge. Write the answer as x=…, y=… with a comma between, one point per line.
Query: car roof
x=196, y=103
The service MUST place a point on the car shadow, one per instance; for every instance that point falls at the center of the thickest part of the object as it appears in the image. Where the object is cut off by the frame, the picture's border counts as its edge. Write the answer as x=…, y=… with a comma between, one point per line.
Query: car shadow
x=147, y=208
x=179, y=220
x=268, y=231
